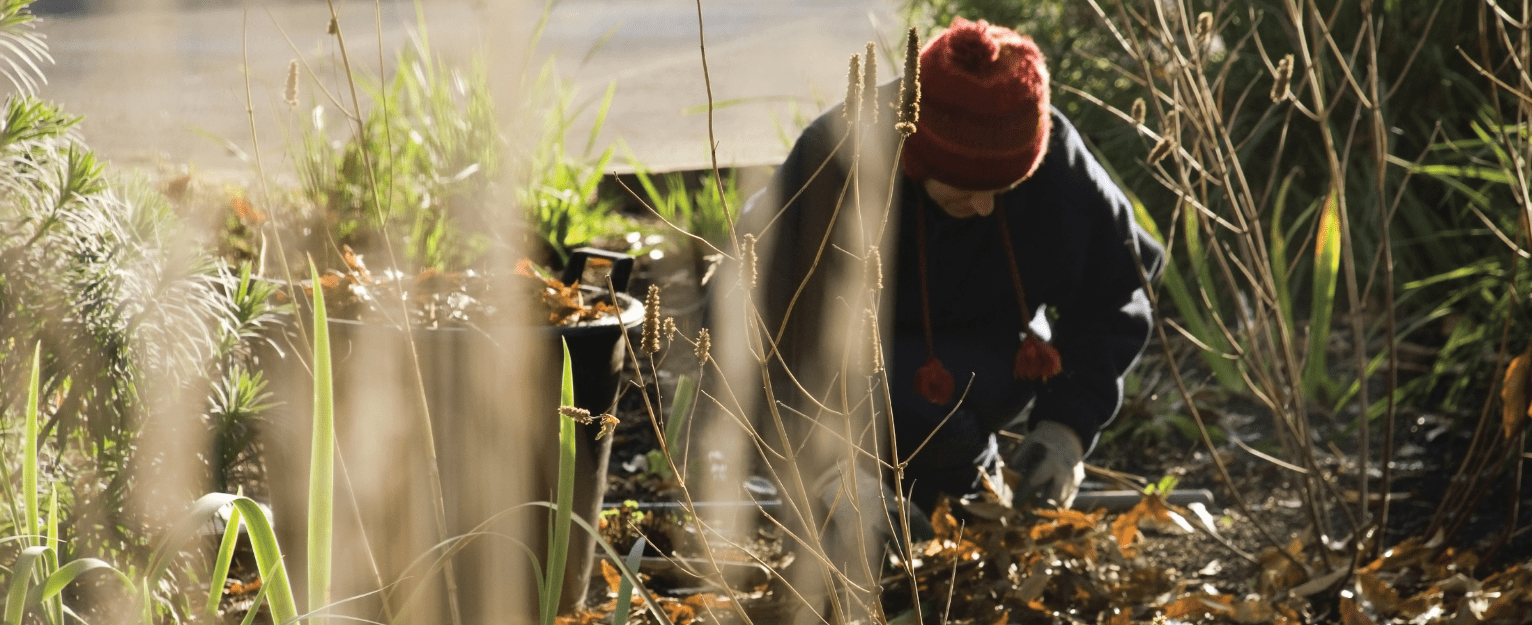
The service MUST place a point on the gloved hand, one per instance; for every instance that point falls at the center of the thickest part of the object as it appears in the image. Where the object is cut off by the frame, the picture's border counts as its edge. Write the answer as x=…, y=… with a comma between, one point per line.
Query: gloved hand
x=872, y=508
x=1051, y=466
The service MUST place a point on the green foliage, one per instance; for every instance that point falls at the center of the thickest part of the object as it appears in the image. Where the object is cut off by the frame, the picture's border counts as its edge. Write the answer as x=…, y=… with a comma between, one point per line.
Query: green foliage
x=111, y=307
x=417, y=174
x=625, y=587
x=558, y=548
x=321, y=513
x=702, y=212
x=276, y=588
x=559, y=196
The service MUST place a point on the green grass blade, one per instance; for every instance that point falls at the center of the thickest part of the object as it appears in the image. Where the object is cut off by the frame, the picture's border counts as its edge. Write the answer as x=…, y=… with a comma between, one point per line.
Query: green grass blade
x=321, y=459
x=66, y=574
x=16, y=603
x=29, y=451
x=263, y=541
x=55, y=607
x=629, y=573
x=1326, y=272
x=1224, y=370
x=558, y=550
x=221, y=564
x=268, y=559
x=625, y=587
x=1279, y=253
x=606, y=105
x=680, y=407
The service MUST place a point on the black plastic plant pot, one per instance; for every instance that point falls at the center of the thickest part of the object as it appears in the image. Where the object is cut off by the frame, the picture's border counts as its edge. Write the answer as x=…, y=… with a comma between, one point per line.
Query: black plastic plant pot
x=492, y=395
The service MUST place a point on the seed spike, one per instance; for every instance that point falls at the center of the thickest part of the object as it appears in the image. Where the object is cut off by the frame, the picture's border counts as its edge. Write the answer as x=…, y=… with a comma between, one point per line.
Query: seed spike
x=909, y=87
x=704, y=345
x=870, y=85
x=1280, y=86
x=651, y=335
x=290, y=94
x=853, y=106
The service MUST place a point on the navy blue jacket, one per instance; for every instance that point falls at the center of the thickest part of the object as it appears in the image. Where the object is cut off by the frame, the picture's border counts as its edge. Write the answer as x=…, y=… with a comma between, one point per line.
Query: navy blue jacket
x=1075, y=242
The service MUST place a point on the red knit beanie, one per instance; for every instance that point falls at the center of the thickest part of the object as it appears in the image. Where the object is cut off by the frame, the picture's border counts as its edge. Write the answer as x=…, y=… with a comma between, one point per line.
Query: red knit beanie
x=983, y=108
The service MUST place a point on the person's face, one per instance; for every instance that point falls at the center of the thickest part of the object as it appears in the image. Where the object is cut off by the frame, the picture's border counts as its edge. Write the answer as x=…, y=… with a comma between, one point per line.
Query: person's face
x=961, y=203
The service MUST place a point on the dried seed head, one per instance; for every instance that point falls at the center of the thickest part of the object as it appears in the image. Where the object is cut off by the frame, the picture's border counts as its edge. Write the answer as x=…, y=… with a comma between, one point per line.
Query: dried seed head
x=668, y=328
x=1284, y=79
x=853, y=89
x=651, y=336
x=580, y=415
x=870, y=85
x=704, y=346
x=1139, y=111
x=747, y=254
x=1204, y=28
x=909, y=88
x=290, y=95
x=608, y=425
x=875, y=269
x=1162, y=149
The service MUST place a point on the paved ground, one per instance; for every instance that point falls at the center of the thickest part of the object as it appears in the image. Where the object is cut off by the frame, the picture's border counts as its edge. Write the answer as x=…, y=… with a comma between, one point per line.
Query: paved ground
x=163, y=82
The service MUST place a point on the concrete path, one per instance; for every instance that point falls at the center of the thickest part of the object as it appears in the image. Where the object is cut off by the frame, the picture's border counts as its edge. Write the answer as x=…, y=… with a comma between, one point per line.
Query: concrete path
x=163, y=83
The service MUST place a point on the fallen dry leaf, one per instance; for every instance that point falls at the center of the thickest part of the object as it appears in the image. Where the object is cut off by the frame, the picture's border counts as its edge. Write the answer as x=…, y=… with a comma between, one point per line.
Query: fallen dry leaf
x=1199, y=606
x=1513, y=394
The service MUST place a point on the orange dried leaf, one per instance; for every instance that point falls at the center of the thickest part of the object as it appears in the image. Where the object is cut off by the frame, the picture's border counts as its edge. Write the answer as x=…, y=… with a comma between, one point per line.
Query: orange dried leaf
x=1384, y=598
x=525, y=268
x=611, y=575
x=679, y=613
x=1421, y=603
x=583, y=617
x=1005, y=619
x=1198, y=606
x=944, y=524
x=1125, y=527
x=705, y=600
x=1513, y=394
x=1352, y=615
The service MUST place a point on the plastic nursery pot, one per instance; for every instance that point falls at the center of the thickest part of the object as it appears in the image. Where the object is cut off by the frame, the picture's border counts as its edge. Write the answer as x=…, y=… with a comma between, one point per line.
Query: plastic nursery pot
x=492, y=395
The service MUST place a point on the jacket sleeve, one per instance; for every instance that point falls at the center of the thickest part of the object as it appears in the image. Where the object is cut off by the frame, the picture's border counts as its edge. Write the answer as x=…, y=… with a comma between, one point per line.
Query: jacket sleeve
x=1104, y=323
x=790, y=218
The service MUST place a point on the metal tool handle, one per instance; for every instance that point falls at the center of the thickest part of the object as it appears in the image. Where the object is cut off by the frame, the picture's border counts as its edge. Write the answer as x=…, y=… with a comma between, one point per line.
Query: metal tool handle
x=1123, y=500
x=622, y=266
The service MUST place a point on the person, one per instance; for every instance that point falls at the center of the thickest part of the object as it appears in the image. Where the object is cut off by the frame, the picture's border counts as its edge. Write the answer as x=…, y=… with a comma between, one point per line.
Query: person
x=1016, y=268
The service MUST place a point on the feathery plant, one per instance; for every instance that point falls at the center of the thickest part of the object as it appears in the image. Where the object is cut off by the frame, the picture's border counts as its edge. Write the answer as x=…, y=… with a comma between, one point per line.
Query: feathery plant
x=26, y=47
x=127, y=309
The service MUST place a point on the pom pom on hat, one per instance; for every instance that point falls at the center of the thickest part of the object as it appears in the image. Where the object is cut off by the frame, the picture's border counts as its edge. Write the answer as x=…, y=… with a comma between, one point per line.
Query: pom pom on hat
x=933, y=382
x=984, y=108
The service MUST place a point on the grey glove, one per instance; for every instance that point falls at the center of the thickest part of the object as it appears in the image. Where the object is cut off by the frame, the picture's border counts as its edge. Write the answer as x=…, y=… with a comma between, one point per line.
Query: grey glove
x=1051, y=466
x=876, y=507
